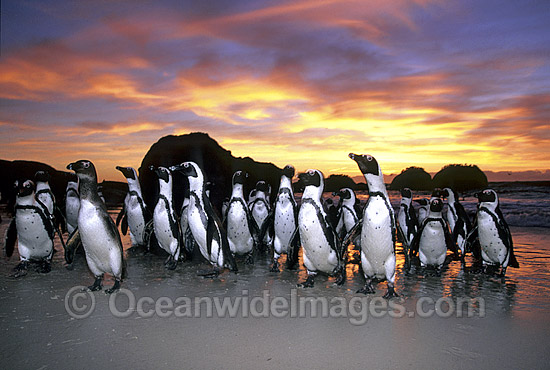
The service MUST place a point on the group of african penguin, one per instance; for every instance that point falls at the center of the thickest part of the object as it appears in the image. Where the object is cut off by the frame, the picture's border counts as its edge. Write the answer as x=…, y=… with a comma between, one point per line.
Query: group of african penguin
x=249, y=226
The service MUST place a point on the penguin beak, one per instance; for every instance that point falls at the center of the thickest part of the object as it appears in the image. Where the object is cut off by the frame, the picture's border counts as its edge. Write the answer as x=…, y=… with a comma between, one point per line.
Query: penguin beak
x=177, y=167
x=352, y=156
x=70, y=166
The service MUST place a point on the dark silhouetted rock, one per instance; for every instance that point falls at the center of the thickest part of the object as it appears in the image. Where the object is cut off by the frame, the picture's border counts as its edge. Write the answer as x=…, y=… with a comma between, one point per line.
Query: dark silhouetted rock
x=414, y=178
x=460, y=177
x=337, y=182
x=217, y=164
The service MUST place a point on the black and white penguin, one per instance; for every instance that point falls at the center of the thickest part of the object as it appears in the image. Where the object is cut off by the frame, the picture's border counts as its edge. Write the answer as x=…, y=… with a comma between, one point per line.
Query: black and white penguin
x=46, y=199
x=165, y=220
x=322, y=251
x=348, y=216
x=72, y=206
x=240, y=226
x=134, y=214
x=98, y=232
x=283, y=220
x=407, y=222
x=433, y=238
x=378, y=231
x=492, y=233
x=205, y=224
x=260, y=209
x=458, y=220
x=32, y=229
x=188, y=242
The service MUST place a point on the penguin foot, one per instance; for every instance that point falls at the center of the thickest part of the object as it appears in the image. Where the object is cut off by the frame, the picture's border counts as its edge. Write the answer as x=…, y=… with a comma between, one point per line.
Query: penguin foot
x=45, y=267
x=341, y=277
x=367, y=289
x=171, y=265
x=96, y=285
x=212, y=273
x=390, y=293
x=21, y=269
x=274, y=267
x=114, y=288
x=308, y=283
x=249, y=259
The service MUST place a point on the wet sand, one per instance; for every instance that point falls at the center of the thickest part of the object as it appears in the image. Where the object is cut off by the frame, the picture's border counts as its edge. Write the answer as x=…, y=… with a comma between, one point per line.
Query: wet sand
x=509, y=330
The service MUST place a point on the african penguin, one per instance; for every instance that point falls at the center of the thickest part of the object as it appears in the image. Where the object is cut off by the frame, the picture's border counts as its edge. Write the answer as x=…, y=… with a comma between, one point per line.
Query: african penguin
x=205, y=224
x=72, y=205
x=493, y=233
x=347, y=217
x=407, y=222
x=423, y=209
x=378, y=231
x=259, y=209
x=458, y=220
x=283, y=220
x=433, y=238
x=239, y=223
x=32, y=229
x=134, y=214
x=165, y=220
x=322, y=250
x=98, y=232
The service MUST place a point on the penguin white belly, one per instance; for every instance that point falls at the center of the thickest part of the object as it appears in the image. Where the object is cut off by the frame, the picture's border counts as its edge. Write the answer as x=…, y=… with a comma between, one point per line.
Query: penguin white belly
x=493, y=250
x=198, y=229
x=34, y=243
x=349, y=220
x=376, y=238
x=432, y=248
x=163, y=230
x=71, y=211
x=319, y=256
x=100, y=245
x=284, y=225
x=136, y=222
x=451, y=219
x=260, y=213
x=238, y=233
x=47, y=201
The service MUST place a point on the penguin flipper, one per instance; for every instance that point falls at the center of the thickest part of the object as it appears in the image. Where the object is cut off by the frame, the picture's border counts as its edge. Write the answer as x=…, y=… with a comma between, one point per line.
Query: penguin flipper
x=214, y=226
x=11, y=237
x=449, y=241
x=121, y=214
x=293, y=249
x=124, y=225
x=268, y=222
x=60, y=221
x=351, y=234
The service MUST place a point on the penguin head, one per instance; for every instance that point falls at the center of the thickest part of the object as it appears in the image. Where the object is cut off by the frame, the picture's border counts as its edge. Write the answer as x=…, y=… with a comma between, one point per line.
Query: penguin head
x=189, y=169
x=312, y=178
x=263, y=187
x=41, y=176
x=162, y=172
x=449, y=194
x=128, y=172
x=239, y=177
x=487, y=196
x=406, y=193
x=84, y=169
x=288, y=171
x=436, y=205
x=367, y=163
x=25, y=188
x=344, y=193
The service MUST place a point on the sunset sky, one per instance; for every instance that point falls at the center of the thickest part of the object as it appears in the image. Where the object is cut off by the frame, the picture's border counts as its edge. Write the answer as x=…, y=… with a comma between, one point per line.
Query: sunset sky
x=414, y=83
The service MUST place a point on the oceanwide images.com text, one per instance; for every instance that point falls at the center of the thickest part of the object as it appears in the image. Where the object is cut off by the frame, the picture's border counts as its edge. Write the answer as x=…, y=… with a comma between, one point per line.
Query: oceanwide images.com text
x=80, y=304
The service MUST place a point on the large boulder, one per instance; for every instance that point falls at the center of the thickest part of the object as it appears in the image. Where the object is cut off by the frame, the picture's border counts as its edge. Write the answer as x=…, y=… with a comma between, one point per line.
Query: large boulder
x=460, y=177
x=414, y=178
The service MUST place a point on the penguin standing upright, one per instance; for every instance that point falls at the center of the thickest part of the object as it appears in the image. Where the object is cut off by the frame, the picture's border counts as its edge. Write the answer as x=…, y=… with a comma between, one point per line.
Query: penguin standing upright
x=188, y=242
x=407, y=222
x=205, y=224
x=33, y=230
x=458, y=220
x=98, y=232
x=378, y=231
x=348, y=216
x=283, y=219
x=134, y=214
x=433, y=238
x=260, y=209
x=239, y=222
x=493, y=234
x=165, y=221
x=321, y=246
x=72, y=206
x=44, y=194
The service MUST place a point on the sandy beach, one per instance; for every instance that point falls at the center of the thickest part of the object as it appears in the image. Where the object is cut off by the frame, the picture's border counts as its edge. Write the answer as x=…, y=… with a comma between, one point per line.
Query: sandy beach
x=506, y=327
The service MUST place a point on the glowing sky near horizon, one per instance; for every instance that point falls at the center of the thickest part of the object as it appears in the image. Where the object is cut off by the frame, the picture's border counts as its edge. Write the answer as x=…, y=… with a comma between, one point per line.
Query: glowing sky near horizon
x=415, y=83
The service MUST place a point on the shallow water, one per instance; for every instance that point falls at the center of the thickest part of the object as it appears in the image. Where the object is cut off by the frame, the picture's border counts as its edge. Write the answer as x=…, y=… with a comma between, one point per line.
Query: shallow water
x=507, y=328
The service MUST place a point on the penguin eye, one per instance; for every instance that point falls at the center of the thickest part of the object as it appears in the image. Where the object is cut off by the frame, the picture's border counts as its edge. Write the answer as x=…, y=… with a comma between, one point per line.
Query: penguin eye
x=85, y=164
x=369, y=158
